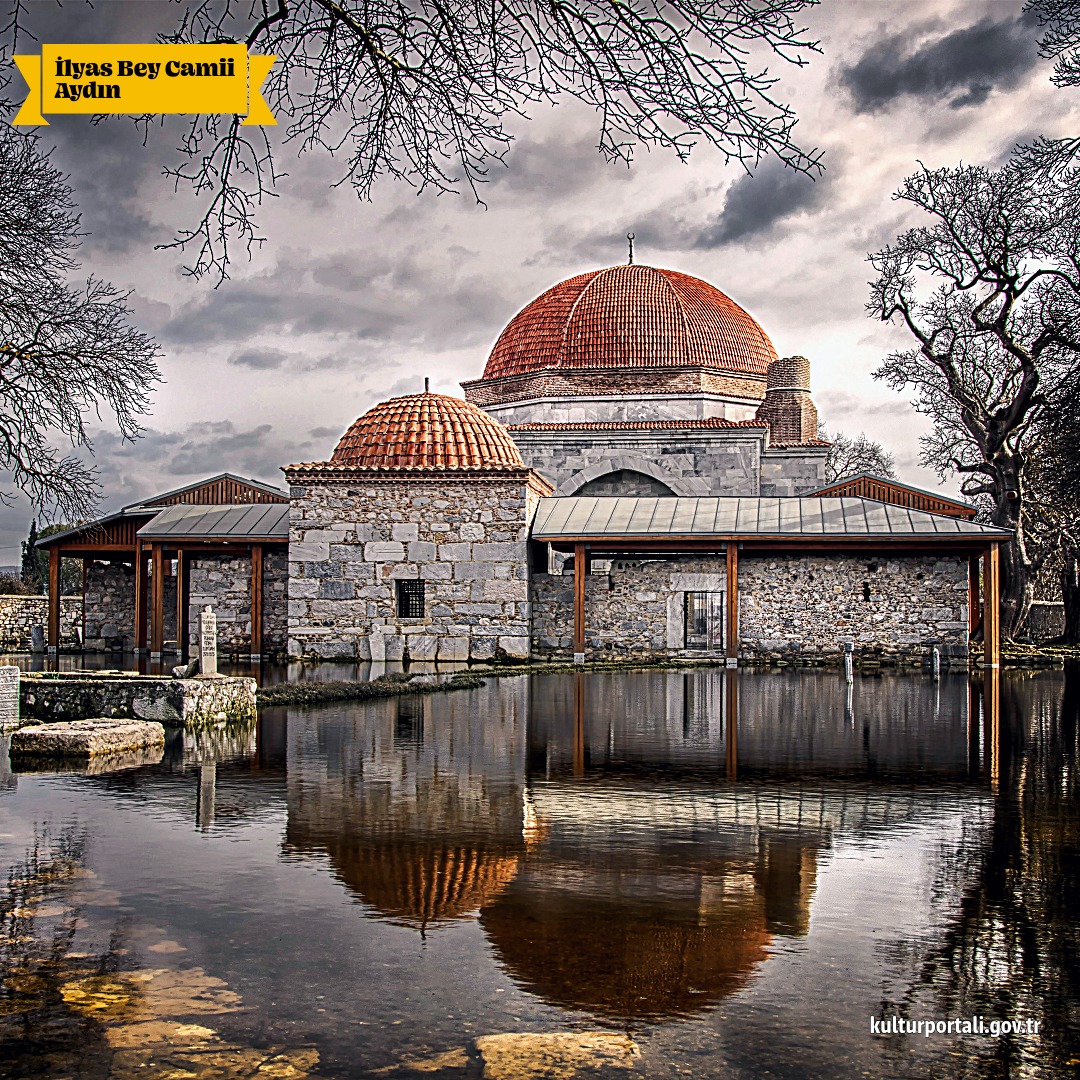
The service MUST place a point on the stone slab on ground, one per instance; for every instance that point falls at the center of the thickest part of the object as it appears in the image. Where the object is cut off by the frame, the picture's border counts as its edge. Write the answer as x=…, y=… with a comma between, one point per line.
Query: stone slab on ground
x=86, y=738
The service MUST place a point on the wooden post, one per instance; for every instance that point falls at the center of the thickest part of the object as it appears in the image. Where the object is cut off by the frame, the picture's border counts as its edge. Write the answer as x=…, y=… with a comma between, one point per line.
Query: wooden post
x=992, y=607
x=256, y=601
x=181, y=606
x=157, y=601
x=579, y=603
x=54, y=600
x=731, y=619
x=140, y=598
x=974, y=604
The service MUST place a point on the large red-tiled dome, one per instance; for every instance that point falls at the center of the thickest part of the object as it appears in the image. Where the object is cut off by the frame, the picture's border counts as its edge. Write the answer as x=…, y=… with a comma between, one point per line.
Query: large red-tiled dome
x=427, y=431
x=631, y=317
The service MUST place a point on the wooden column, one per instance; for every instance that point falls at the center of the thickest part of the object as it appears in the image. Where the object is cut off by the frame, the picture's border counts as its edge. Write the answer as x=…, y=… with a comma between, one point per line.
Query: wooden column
x=579, y=603
x=181, y=605
x=157, y=601
x=54, y=600
x=992, y=607
x=140, y=598
x=731, y=615
x=256, y=601
x=974, y=604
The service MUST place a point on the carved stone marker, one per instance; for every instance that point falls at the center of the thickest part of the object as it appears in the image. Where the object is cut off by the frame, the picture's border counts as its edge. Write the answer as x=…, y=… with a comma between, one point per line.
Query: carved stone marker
x=207, y=642
x=9, y=697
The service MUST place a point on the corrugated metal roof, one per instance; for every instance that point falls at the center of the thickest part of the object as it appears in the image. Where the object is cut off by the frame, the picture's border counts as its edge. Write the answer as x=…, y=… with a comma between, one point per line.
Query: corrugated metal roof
x=810, y=517
x=264, y=521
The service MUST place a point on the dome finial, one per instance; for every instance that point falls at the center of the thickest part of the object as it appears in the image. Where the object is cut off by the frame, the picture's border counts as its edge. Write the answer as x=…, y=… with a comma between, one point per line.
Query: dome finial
x=630, y=238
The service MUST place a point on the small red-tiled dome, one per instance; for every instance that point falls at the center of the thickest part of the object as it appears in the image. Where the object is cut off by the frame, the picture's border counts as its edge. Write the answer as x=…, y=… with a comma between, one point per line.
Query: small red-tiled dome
x=631, y=317
x=427, y=431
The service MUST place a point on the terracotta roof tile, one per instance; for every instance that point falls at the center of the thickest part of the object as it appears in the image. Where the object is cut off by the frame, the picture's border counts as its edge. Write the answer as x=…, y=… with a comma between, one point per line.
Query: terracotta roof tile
x=631, y=317
x=425, y=432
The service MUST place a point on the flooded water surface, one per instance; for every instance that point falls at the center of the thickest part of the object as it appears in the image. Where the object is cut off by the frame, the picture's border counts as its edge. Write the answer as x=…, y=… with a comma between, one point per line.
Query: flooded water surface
x=660, y=874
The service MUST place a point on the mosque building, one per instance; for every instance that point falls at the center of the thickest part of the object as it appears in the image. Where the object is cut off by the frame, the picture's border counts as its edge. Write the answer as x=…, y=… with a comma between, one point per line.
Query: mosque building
x=635, y=474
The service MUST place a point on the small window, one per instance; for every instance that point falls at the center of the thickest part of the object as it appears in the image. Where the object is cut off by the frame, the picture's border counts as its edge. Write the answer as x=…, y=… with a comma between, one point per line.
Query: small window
x=410, y=599
x=866, y=590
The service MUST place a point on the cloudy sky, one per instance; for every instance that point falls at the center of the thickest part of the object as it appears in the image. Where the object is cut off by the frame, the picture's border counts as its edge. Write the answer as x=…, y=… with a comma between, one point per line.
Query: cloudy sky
x=350, y=302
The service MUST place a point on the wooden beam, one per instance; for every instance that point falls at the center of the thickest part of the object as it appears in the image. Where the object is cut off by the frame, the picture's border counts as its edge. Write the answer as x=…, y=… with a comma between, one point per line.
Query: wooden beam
x=140, y=598
x=157, y=601
x=54, y=600
x=992, y=607
x=181, y=605
x=256, y=601
x=974, y=603
x=579, y=603
x=731, y=615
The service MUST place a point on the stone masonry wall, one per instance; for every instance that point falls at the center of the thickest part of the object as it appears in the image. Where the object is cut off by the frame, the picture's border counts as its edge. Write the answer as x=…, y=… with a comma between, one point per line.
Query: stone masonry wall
x=812, y=604
x=688, y=462
x=792, y=470
x=110, y=606
x=350, y=542
x=789, y=606
x=19, y=613
x=224, y=582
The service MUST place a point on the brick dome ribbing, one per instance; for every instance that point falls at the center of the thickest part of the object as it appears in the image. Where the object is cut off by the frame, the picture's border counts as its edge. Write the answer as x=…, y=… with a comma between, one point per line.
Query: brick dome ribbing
x=427, y=431
x=631, y=317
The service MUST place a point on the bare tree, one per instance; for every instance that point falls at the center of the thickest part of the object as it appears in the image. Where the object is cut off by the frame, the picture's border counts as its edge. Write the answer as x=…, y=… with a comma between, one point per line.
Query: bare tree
x=850, y=457
x=990, y=291
x=423, y=91
x=66, y=353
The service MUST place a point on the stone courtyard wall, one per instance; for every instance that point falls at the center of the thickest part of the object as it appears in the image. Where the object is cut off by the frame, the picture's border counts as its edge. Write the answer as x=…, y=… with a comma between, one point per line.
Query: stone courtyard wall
x=110, y=607
x=790, y=606
x=19, y=613
x=351, y=541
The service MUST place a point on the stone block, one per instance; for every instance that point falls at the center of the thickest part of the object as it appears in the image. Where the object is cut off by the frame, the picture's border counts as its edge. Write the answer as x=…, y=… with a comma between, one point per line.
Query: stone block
x=517, y=648
x=400, y=571
x=471, y=530
x=384, y=551
x=436, y=571
x=304, y=588
x=335, y=649
x=302, y=551
x=506, y=590
x=453, y=648
x=421, y=551
x=514, y=552
x=323, y=536
x=455, y=552
x=483, y=648
x=470, y=571
x=86, y=738
x=394, y=647
x=424, y=647
x=330, y=589
x=405, y=531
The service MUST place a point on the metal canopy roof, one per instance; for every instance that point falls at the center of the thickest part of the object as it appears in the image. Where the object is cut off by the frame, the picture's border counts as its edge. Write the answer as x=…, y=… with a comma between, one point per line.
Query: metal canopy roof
x=255, y=521
x=807, y=517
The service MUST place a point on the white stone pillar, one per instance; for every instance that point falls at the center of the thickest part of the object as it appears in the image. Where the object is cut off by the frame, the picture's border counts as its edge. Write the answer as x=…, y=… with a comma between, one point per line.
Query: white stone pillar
x=207, y=642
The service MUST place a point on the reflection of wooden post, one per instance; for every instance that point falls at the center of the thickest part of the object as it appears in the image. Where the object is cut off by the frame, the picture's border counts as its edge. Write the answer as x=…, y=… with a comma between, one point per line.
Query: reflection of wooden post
x=973, y=730
x=732, y=619
x=256, y=601
x=579, y=725
x=974, y=605
x=992, y=607
x=140, y=598
x=579, y=603
x=54, y=600
x=731, y=728
x=992, y=725
x=157, y=601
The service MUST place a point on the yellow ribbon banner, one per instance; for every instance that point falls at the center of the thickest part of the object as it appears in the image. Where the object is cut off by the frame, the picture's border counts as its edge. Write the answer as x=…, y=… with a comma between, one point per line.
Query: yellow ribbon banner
x=137, y=79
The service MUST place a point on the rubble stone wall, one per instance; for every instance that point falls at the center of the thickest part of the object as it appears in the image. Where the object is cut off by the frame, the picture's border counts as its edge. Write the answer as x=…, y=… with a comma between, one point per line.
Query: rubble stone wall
x=110, y=607
x=790, y=607
x=351, y=542
x=19, y=613
x=224, y=582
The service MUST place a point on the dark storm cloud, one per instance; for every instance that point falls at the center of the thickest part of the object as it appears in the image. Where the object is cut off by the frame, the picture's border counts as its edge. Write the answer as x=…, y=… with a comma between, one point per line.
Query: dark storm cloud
x=259, y=359
x=755, y=203
x=962, y=67
x=384, y=296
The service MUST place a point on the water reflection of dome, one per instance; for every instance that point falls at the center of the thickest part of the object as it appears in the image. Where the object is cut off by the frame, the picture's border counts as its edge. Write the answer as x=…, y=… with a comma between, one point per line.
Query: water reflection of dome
x=627, y=957
x=422, y=884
